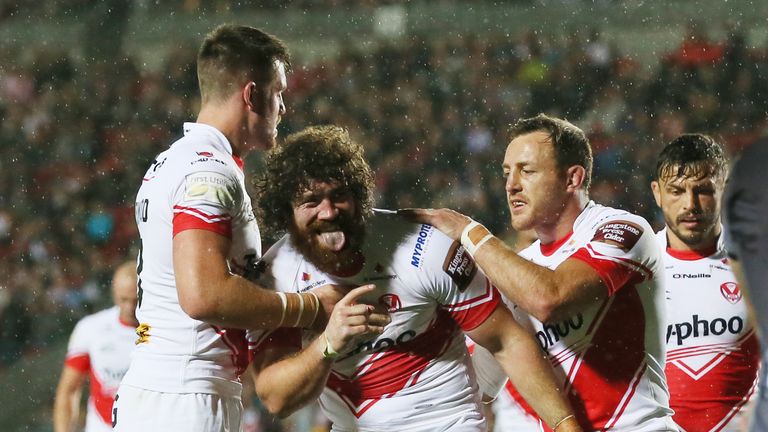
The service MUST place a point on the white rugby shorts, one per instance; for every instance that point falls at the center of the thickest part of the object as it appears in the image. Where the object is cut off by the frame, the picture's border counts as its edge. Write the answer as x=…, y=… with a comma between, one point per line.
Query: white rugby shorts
x=143, y=410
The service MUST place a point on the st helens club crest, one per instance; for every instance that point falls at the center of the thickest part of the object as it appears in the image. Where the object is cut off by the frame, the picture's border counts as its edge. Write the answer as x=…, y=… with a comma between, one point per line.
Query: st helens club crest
x=391, y=302
x=731, y=292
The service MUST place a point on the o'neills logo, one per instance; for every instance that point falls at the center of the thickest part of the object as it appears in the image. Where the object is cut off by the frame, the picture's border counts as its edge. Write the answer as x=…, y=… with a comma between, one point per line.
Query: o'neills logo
x=552, y=333
x=731, y=292
x=691, y=275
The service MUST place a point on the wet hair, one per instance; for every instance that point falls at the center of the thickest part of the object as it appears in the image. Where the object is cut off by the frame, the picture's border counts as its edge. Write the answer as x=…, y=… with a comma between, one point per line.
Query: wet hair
x=232, y=55
x=319, y=153
x=570, y=144
x=692, y=155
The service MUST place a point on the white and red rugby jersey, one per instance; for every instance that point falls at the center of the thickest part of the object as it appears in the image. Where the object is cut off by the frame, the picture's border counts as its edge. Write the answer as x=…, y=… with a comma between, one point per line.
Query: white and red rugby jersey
x=100, y=346
x=611, y=354
x=196, y=184
x=416, y=376
x=712, y=349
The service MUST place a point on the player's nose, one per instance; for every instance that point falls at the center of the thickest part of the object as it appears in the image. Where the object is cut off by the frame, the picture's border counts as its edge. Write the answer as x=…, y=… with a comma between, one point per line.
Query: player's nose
x=326, y=210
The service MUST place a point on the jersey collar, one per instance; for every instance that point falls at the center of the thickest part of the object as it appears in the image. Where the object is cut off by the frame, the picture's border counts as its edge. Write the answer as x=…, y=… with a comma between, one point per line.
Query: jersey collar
x=549, y=249
x=217, y=138
x=692, y=255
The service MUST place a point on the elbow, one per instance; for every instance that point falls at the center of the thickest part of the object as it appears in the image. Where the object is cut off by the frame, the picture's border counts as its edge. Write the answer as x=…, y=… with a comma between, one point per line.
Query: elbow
x=548, y=311
x=196, y=305
x=276, y=406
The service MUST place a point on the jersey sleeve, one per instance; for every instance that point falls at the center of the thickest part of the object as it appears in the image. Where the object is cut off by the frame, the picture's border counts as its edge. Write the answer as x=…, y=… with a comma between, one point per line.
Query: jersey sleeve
x=623, y=251
x=457, y=284
x=78, y=356
x=208, y=196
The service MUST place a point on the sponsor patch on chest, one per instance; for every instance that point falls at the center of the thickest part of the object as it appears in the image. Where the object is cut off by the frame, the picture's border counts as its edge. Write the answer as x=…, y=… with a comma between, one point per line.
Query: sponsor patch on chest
x=623, y=234
x=459, y=266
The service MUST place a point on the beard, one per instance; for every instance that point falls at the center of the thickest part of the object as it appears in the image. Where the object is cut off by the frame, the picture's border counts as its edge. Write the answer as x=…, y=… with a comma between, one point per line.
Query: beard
x=334, y=262
x=693, y=238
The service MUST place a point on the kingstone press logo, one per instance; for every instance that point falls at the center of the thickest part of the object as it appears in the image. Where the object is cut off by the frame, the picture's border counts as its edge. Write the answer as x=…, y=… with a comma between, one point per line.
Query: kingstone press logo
x=425, y=233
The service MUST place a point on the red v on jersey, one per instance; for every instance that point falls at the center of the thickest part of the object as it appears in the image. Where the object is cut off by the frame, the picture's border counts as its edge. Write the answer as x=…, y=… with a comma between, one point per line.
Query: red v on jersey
x=390, y=371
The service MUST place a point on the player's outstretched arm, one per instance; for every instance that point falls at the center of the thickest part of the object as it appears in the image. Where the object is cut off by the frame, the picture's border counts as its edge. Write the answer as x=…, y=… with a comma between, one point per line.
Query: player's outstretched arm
x=526, y=366
x=66, y=405
x=209, y=292
x=548, y=295
x=287, y=380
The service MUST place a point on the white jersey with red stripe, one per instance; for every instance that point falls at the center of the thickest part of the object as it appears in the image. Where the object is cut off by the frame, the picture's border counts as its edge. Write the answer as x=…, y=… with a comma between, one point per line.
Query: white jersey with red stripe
x=712, y=349
x=196, y=184
x=416, y=376
x=100, y=346
x=610, y=355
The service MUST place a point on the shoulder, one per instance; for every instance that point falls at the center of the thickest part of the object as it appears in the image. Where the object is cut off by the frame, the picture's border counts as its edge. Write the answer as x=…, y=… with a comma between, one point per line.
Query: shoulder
x=192, y=154
x=617, y=226
x=421, y=245
x=531, y=250
x=600, y=215
x=281, y=259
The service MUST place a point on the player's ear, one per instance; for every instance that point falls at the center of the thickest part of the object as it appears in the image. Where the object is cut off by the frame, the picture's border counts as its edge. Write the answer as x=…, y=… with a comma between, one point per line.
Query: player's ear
x=656, y=188
x=575, y=176
x=254, y=98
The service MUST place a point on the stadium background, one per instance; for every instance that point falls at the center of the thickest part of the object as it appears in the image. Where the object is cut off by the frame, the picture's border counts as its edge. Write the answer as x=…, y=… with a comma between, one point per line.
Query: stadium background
x=91, y=90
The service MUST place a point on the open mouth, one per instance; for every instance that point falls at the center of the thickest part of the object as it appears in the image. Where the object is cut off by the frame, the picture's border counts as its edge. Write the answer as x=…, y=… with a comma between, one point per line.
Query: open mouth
x=516, y=204
x=333, y=240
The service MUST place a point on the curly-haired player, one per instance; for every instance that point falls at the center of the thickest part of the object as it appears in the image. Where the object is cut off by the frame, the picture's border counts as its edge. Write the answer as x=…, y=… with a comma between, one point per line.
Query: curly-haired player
x=416, y=374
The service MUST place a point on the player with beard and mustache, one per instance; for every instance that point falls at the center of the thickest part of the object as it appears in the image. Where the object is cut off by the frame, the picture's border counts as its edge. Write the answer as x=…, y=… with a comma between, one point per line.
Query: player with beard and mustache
x=416, y=375
x=711, y=368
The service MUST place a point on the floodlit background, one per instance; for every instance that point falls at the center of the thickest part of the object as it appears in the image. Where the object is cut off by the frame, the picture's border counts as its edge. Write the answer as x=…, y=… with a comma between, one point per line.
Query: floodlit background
x=91, y=90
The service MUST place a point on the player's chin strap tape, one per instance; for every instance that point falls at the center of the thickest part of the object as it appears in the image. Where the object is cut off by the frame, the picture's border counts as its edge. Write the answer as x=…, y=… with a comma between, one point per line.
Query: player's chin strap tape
x=474, y=236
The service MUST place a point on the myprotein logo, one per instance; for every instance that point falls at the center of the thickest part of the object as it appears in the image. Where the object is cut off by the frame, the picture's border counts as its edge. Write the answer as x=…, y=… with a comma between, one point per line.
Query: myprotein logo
x=425, y=233
x=550, y=334
x=701, y=327
x=380, y=344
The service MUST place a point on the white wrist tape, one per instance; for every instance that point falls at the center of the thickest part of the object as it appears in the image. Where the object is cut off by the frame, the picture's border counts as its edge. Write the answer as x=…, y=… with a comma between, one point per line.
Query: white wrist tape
x=474, y=230
x=284, y=302
x=301, y=310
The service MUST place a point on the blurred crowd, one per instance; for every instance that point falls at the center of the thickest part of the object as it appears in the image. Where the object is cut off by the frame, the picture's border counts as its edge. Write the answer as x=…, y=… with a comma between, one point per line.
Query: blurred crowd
x=75, y=138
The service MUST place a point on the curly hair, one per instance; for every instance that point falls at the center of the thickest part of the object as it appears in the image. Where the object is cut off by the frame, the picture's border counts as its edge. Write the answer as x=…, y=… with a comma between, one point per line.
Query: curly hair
x=319, y=153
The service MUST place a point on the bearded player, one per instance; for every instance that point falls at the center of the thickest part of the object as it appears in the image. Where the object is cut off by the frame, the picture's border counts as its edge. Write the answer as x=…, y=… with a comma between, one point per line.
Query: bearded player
x=415, y=375
x=712, y=348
